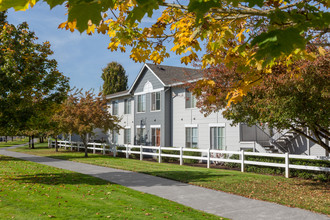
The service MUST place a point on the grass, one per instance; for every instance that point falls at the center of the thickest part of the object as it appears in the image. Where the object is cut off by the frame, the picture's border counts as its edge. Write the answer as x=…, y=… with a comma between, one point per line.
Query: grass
x=33, y=191
x=15, y=142
x=293, y=192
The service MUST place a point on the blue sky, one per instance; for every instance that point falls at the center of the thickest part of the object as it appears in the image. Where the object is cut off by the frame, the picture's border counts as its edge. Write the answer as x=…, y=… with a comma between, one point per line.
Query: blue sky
x=79, y=56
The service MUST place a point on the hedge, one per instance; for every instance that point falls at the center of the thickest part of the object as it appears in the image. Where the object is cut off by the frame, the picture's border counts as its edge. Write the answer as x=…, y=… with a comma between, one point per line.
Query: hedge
x=306, y=174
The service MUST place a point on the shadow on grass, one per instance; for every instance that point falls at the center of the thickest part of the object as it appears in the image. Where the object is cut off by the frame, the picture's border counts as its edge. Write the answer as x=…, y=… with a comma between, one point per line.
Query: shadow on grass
x=59, y=179
x=5, y=158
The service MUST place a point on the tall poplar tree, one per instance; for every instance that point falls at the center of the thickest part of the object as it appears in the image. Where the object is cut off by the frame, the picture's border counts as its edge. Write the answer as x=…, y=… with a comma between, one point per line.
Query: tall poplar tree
x=114, y=77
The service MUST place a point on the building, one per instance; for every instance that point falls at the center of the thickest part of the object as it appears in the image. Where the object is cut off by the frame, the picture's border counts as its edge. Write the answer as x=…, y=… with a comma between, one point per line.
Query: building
x=158, y=110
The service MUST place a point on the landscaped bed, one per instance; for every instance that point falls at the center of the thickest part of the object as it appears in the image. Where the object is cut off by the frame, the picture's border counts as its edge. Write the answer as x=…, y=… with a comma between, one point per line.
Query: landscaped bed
x=307, y=194
x=33, y=191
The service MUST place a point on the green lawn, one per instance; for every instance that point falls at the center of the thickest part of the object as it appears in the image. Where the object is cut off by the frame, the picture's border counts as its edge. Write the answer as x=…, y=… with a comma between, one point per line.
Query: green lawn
x=32, y=191
x=294, y=192
x=15, y=142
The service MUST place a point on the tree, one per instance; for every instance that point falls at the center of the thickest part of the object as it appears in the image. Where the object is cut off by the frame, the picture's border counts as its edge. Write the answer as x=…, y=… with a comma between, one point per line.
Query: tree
x=245, y=32
x=30, y=81
x=82, y=113
x=114, y=77
x=291, y=97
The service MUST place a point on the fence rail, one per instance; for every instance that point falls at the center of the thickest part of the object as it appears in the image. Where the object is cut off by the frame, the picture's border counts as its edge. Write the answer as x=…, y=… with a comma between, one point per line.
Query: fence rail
x=208, y=155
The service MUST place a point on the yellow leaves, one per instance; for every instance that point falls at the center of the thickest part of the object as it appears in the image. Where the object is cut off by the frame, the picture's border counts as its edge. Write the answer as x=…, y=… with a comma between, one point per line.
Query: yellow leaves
x=91, y=29
x=68, y=25
x=188, y=59
x=321, y=51
x=240, y=36
x=113, y=45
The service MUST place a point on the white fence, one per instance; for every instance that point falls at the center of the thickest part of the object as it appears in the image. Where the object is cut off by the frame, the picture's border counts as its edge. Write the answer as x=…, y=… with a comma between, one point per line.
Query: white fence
x=207, y=155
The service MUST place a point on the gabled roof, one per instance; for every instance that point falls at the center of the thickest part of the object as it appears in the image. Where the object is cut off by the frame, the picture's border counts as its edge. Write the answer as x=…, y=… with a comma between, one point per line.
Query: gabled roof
x=172, y=75
x=167, y=75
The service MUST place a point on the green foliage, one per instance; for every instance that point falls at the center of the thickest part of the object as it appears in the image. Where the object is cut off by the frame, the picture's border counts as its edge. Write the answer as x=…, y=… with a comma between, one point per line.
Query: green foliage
x=114, y=77
x=277, y=27
x=306, y=174
x=31, y=85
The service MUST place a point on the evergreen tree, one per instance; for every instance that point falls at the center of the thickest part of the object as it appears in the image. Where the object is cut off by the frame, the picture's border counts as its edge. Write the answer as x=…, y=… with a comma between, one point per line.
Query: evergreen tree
x=114, y=77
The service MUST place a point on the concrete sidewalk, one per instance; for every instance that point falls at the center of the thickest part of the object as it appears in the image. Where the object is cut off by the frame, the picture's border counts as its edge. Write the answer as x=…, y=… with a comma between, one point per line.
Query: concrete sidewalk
x=211, y=201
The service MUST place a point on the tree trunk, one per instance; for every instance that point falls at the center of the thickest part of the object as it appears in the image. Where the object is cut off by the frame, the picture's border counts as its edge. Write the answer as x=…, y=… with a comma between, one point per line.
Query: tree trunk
x=85, y=142
x=12, y=138
x=56, y=146
x=32, y=140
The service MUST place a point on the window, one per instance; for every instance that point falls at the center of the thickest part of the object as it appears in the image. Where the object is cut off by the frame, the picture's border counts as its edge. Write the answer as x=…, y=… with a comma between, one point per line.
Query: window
x=155, y=137
x=141, y=103
x=217, y=138
x=115, y=137
x=155, y=101
x=127, y=136
x=190, y=100
x=191, y=137
x=127, y=106
x=141, y=135
x=115, y=108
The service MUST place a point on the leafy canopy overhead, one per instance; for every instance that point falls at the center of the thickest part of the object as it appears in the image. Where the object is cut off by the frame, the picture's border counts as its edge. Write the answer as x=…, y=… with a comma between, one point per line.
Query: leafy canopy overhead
x=276, y=27
x=246, y=32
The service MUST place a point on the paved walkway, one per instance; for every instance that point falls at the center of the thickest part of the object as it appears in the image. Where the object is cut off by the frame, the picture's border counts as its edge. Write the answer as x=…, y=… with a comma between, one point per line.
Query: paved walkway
x=211, y=201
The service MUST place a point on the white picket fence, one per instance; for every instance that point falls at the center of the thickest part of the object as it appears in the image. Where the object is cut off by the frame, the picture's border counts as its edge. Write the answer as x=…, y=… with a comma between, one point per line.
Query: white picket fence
x=208, y=155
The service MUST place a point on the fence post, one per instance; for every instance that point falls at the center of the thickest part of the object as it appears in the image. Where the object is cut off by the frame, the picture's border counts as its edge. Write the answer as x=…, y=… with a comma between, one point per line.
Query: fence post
x=242, y=160
x=141, y=152
x=126, y=151
x=181, y=155
x=103, y=149
x=64, y=145
x=114, y=150
x=160, y=154
x=94, y=148
x=208, y=158
x=71, y=145
x=287, y=170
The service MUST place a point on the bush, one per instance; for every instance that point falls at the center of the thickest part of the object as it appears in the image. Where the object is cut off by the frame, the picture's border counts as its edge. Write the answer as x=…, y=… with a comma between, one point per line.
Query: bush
x=306, y=174
x=170, y=159
x=195, y=154
x=176, y=152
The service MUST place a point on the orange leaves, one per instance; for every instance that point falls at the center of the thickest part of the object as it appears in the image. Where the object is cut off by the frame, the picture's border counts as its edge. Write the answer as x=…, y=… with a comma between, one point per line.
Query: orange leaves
x=68, y=25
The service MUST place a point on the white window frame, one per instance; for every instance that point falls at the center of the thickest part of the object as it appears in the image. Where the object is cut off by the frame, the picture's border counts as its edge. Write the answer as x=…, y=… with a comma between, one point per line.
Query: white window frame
x=145, y=103
x=160, y=130
x=192, y=97
x=191, y=126
x=115, y=103
x=215, y=126
x=130, y=135
x=151, y=94
x=127, y=102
